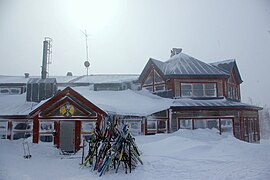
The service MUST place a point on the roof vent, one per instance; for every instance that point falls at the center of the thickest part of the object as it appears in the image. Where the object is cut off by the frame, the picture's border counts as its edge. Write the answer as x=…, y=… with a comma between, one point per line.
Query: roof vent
x=175, y=51
x=69, y=74
x=26, y=75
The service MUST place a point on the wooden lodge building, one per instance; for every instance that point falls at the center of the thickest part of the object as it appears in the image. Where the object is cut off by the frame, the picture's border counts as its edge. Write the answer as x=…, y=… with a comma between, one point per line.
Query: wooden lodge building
x=180, y=93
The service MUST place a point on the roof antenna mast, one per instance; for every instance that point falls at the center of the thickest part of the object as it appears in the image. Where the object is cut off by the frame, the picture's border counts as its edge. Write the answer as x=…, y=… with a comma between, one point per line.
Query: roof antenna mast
x=86, y=63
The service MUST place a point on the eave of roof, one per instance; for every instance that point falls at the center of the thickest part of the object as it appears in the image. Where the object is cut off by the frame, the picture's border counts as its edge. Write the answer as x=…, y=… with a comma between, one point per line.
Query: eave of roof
x=213, y=103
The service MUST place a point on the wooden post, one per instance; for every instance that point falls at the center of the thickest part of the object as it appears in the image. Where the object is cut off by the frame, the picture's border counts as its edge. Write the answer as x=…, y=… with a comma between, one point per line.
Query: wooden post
x=219, y=124
x=56, y=135
x=83, y=151
x=9, y=130
x=168, y=121
x=35, y=129
x=78, y=126
x=241, y=126
x=233, y=126
x=145, y=126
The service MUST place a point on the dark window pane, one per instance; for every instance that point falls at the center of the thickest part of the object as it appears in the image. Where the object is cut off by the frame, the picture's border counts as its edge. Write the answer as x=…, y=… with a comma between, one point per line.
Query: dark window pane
x=15, y=91
x=151, y=125
x=199, y=124
x=186, y=90
x=21, y=135
x=4, y=91
x=160, y=88
x=211, y=124
x=22, y=126
x=197, y=90
x=46, y=138
x=158, y=79
x=162, y=124
x=149, y=79
x=185, y=124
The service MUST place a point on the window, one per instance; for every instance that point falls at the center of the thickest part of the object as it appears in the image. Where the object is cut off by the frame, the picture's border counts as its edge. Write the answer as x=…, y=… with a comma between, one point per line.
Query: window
x=4, y=91
x=88, y=126
x=199, y=124
x=233, y=89
x=151, y=125
x=186, y=90
x=210, y=89
x=158, y=79
x=3, y=129
x=21, y=130
x=149, y=79
x=212, y=123
x=198, y=90
x=154, y=82
x=135, y=127
x=162, y=125
x=46, y=138
x=160, y=88
x=15, y=91
x=46, y=129
x=150, y=88
x=185, y=124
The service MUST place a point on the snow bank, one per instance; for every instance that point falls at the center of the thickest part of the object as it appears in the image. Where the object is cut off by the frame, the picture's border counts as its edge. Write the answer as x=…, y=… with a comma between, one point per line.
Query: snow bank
x=198, y=154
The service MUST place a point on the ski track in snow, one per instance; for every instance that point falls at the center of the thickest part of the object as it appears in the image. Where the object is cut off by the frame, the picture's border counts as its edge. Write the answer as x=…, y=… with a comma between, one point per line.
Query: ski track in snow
x=182, y=155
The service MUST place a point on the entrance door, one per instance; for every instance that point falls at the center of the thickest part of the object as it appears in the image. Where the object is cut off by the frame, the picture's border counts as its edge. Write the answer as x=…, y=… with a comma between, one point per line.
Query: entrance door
x=67, y=136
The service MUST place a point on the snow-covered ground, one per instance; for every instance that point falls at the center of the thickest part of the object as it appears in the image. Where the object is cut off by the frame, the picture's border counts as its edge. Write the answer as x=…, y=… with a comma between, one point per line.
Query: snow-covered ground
x=198, y=154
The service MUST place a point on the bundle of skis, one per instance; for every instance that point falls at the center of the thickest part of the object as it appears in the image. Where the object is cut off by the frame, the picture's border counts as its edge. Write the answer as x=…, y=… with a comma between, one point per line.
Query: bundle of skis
x=115, y=147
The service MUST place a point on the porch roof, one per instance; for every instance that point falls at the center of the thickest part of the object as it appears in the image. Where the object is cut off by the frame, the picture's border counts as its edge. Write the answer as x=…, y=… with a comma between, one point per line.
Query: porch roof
x=210, y=103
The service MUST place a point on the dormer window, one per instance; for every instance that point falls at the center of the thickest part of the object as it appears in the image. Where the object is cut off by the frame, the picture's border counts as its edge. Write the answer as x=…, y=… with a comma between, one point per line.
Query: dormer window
x=198, y=90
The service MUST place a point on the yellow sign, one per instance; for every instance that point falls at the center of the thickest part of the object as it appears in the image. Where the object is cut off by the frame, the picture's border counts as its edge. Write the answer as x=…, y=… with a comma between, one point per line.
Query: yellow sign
x=67, y=110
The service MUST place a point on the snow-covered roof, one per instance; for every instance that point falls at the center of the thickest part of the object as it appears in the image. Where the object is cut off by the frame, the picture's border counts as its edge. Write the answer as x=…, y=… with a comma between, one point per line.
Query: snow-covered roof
x=22, y=79
x=107, y=78
x=210, y=103
x=183, y=64
x=15, y=105
x=13, y=79
x=228, y=61
x=127, y=102
x=228, y=66
x=91, y=79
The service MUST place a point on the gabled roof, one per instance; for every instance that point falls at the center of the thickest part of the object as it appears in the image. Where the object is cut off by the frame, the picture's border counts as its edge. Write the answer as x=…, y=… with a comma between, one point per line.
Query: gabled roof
x=150, y=63
x=73, y=96
x=229, y=66
x=183, y=65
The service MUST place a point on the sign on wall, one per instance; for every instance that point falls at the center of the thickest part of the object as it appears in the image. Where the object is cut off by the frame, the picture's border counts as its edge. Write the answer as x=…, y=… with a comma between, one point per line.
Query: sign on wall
x=67, y=110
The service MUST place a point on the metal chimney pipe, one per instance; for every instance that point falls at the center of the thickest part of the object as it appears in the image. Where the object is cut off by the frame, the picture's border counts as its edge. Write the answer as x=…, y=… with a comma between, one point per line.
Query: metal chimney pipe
x=44, y=61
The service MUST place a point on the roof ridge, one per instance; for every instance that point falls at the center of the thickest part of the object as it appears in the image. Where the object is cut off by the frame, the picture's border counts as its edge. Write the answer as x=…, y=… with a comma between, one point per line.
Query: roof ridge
x=185, y=64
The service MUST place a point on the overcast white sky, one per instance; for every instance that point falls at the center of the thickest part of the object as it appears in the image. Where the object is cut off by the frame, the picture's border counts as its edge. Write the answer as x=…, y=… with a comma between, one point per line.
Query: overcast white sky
x=125, y=34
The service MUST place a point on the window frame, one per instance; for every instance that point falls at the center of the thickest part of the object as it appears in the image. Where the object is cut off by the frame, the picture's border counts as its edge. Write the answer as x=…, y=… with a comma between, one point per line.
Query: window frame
x=192, y=90
x=154, y=84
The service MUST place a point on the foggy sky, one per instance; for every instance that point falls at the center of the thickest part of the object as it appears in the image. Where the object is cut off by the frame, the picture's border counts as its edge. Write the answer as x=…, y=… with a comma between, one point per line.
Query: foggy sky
x=123, y=35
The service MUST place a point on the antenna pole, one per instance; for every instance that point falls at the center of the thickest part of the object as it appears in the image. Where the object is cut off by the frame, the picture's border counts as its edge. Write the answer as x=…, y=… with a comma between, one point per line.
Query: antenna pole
x=86, y=49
